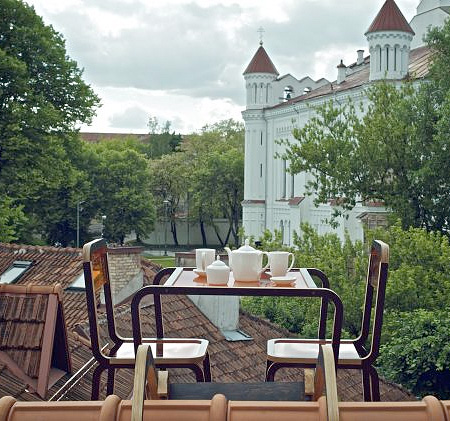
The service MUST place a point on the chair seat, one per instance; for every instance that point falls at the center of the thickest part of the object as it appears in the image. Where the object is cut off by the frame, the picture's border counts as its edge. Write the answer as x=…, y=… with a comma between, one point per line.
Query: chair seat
x=278, y=391
x=306, y=351
x=166, y=351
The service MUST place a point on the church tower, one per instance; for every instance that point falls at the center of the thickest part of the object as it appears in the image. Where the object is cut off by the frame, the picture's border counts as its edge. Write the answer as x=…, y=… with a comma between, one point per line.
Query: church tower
x=259, y=77
x=389, y=38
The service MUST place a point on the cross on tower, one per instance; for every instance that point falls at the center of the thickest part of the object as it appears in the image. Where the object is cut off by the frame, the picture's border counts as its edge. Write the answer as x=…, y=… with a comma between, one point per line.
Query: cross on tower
x=261, y=32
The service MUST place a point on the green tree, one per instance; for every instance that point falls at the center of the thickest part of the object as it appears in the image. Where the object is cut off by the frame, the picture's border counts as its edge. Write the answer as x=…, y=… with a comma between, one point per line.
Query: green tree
x=160, y=141
x=397, y=152
x=121, y=192
x=11, y=216
x=216, y=157
x=42, y=99
x=168, y=177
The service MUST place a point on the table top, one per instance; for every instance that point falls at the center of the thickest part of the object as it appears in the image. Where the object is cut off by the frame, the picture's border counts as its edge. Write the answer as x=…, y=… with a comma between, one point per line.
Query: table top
x=186, y=277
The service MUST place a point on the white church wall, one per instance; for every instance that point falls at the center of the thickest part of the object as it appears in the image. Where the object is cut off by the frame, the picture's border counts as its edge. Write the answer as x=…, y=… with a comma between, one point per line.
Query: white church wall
x=421, y=24
x=389, y=57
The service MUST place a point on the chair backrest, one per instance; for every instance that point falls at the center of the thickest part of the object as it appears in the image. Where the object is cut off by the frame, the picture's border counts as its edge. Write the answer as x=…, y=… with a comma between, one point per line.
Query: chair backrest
x=376, y=280
x=96, y=277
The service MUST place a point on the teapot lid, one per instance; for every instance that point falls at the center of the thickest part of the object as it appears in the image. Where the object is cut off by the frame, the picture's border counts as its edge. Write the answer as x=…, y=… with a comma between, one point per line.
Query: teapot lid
x=218, y=263
x=246, y=246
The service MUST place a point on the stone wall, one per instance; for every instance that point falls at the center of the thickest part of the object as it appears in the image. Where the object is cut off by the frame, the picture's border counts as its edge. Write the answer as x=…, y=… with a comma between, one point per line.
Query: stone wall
x=124, y=267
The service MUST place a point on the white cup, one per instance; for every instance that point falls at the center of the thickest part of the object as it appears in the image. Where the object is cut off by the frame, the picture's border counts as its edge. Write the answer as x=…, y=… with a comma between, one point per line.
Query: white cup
x=204, y=257
x=279, y=262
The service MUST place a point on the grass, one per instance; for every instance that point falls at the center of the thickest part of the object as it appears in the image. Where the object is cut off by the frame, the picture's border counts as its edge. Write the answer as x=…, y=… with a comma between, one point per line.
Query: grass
x=164, y=261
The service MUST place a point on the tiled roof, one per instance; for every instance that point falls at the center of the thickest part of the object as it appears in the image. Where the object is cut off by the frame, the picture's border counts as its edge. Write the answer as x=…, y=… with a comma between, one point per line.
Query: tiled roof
x=33, y=336
x=261, y=63
x=419, y=60
x=98, y=137
x=51, y=265
x=390, y=18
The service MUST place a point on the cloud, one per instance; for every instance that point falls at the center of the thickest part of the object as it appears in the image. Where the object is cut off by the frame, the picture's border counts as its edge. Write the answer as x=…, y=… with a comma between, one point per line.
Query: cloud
x=193, y=52
x=130, y=118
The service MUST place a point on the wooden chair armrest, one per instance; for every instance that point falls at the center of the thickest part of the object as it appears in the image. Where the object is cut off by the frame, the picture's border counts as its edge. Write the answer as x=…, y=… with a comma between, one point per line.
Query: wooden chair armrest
x=325, y=377
x=163, y=384
x=148, y=384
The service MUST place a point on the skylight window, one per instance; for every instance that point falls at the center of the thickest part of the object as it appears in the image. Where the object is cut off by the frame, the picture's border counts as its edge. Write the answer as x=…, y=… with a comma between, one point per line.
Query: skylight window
x=78, y=284
x=15, y=271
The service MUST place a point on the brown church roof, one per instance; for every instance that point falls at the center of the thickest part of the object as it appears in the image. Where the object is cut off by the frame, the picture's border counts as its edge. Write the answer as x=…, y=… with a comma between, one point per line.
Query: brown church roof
x=261, y=63
x=390, y=18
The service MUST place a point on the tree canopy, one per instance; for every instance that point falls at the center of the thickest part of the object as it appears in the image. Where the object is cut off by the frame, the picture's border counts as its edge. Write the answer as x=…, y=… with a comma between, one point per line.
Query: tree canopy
x=216, y=175
x=121, y=191
x=397, y=152
x=42, y=99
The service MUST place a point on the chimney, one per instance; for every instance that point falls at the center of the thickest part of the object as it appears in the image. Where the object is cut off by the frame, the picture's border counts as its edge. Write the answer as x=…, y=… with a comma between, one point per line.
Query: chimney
x=222, y=312
x=360, y=59
x=342, y=69
x=125, y=272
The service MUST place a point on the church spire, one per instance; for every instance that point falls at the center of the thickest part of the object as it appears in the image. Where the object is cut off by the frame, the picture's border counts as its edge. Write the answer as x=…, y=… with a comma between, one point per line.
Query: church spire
x=261, y=63
x=389, y=38
x=390, y=18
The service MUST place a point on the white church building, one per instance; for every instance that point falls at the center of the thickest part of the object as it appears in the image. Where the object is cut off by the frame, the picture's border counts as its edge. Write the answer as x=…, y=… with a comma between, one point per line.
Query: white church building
x=273, y=198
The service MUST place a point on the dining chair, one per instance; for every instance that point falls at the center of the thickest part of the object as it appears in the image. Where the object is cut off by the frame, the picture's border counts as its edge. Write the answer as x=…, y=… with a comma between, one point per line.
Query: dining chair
x=191, y=353
x=353, y=354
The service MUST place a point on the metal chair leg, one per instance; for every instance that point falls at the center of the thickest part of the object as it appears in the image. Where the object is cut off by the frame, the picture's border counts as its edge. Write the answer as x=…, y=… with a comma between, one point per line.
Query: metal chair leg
x=272, y=368
x=207, y=368
x=374, y=384
x=198, y=371
x=110, y=384
x=96, y=376
x=367, y=396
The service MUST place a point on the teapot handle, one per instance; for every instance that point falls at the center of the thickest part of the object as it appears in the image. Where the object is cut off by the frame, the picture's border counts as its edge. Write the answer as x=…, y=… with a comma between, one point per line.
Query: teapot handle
x=268, y=263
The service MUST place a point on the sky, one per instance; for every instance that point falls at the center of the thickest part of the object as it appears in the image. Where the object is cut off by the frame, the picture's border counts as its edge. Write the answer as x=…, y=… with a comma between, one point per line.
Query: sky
x=182, y=60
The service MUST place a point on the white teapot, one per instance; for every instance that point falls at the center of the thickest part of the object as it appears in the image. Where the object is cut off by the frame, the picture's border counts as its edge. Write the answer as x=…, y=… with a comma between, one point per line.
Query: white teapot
x=246, y=263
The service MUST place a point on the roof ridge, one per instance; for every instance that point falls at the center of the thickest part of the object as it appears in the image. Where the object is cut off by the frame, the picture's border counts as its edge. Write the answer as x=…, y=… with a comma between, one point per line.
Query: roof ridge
x=32, y=289
x=31, y=248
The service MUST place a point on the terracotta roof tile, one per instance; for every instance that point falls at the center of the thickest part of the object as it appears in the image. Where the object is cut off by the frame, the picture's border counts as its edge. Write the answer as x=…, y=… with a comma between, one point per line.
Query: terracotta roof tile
x=261, y=63
x=390, y=18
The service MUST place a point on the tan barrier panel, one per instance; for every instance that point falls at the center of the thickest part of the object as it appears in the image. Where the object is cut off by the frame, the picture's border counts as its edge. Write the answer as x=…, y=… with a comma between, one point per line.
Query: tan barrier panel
x=114, y=409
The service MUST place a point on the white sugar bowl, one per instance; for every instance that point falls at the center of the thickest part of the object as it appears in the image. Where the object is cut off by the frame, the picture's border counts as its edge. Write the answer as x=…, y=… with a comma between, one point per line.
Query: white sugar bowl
x=217, y=273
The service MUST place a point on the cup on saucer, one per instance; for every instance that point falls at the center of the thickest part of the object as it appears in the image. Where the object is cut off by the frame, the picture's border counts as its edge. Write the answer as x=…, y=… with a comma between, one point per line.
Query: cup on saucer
x=203, y=258
x=279, y=262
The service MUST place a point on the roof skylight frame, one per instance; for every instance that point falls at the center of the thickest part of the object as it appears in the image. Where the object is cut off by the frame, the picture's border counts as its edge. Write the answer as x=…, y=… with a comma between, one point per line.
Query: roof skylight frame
x=15, y=271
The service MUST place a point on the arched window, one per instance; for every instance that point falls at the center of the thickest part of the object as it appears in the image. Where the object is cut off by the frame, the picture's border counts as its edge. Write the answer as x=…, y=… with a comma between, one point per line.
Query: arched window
x=255, y=93
x=379, y=57
x=288, y=93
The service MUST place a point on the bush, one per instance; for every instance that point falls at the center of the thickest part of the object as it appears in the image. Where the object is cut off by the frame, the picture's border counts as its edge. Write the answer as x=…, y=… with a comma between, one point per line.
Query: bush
x=416, y=332
x=417, y=351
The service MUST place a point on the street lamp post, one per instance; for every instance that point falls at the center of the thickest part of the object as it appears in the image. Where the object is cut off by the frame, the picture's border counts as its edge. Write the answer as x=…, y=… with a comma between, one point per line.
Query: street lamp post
x=103, y=223
x=79, y=209
x=166, y=208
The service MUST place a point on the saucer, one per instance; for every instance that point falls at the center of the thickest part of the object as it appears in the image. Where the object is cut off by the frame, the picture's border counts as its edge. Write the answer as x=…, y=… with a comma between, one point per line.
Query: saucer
x=283, y=280
x=199, y=272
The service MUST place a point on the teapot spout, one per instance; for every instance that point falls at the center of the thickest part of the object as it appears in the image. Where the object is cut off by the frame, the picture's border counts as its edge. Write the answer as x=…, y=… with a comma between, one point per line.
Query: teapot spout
x=227, y=249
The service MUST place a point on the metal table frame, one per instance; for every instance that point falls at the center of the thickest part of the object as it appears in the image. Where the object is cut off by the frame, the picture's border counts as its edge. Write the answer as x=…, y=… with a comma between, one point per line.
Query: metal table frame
x=324, y=293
